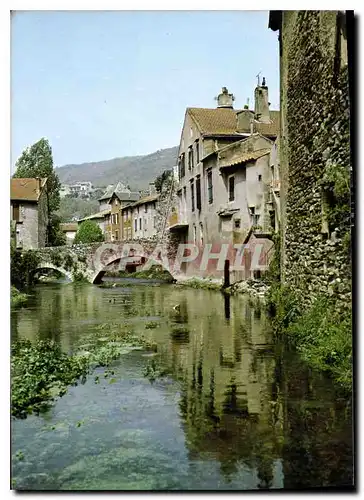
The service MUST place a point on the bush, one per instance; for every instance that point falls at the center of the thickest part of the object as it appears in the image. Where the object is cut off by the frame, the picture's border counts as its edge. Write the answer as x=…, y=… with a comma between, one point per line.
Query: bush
x=17, y=298
x=22, y=267
x=88, y=232
x=324, y=338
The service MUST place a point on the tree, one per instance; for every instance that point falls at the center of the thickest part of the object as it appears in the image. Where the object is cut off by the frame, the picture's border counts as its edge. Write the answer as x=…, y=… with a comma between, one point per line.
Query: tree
x=162, y=180
x=88, y=232
x=37, y=161
x=55, y=235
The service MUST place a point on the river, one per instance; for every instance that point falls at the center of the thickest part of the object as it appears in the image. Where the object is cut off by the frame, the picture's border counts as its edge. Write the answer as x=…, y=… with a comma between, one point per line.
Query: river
x=236, y=412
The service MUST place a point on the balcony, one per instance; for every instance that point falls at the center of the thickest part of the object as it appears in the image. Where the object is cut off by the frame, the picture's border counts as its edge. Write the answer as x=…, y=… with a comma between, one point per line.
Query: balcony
x=177, y=221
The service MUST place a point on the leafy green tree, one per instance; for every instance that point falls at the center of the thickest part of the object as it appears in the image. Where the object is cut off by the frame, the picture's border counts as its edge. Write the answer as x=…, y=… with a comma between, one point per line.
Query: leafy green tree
x=162, y=180
x=55, y=235
x=37, y=161
x=88, y=232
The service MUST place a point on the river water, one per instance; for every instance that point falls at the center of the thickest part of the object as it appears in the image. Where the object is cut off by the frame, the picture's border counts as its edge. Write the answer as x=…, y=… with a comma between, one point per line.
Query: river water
x=236, y=412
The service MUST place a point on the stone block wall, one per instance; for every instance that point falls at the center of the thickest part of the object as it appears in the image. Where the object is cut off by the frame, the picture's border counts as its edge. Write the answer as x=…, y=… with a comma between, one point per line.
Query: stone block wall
x=314, y=138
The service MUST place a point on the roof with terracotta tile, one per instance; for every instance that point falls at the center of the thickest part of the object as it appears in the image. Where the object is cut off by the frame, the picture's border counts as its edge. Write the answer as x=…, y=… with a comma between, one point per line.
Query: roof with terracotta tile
x=244, y=158
x=269, y=129
x=98, y=215
x=26, y=189
x=223, y=121
x=146, y=199
x=214, y=121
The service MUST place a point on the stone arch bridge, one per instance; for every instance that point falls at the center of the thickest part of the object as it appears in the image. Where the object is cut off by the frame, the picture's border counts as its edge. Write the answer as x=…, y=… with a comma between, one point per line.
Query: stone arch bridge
x=90, y=261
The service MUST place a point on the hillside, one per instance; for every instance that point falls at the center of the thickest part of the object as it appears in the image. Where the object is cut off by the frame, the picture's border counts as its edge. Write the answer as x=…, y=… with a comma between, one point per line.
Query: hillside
x=137, y=171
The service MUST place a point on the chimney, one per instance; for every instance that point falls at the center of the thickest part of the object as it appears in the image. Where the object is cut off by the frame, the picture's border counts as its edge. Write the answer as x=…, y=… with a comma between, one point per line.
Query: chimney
x=152, y=189
x=225, y=100
x=261, y=108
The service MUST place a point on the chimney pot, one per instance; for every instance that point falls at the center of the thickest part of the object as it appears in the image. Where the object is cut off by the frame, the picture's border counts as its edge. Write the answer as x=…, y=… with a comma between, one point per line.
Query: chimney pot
x=225, y=100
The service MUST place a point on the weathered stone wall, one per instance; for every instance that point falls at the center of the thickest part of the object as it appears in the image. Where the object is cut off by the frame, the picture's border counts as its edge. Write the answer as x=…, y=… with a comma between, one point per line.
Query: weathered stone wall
x=87, y=261
x=28, y=228
x=314, y=137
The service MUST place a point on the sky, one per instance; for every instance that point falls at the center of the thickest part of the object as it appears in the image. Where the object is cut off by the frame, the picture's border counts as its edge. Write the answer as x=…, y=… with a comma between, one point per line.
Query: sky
x=107, y=84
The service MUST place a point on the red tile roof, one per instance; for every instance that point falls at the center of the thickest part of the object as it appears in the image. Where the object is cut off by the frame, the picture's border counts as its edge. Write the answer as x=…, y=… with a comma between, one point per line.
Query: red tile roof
x=219, y=121
x=26, y=189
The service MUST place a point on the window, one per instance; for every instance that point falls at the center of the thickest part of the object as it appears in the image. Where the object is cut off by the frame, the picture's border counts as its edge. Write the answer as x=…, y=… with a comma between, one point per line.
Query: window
x=255, y=219
x=116, y=202
x=140, y=224
x=145, y=224
x=194, y=234
x=201, y=233
x=117, y=235
x=16, y=212
x=116, y=218
x=154, y=222
x=198, y=193
x=237, y=223
x=181, y=166
x=259, y=177
x=192, y=196
x=209, y=186
x=146, y=208
x=197, y=151
x=231, y=188
x=136, y=225
x=190, y=158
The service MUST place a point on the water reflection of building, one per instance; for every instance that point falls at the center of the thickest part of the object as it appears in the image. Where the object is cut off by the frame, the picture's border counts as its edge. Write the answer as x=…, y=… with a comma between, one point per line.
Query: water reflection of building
x=227, y=370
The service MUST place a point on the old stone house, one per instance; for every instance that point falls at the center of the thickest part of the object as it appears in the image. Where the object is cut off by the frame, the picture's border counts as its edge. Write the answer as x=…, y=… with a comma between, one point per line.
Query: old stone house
x=29, y=212
x=314, y=151
x=224, y=175
x=114, y=199
x=139, y=219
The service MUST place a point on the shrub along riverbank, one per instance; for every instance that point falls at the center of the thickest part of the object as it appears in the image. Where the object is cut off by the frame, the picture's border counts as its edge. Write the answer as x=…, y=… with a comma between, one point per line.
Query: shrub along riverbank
x=322, y=334
x=17, y=298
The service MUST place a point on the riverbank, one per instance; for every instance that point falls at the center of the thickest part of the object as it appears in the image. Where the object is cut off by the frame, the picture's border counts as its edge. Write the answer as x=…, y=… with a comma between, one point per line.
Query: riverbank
x=17, y=298
x=154, y=273
x=321, y=333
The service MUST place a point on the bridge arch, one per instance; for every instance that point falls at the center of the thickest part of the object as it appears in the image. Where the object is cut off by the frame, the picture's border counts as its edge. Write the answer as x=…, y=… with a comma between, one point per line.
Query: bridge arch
x=49, y=265
x=148, y=261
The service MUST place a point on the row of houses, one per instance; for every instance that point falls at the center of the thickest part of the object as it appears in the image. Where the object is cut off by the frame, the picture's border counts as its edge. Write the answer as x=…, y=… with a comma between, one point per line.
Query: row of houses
x=226, y=184
x=123, y=215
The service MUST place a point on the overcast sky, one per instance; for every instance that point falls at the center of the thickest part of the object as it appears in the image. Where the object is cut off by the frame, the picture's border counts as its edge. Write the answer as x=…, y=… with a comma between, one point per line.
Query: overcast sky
x=104, y=84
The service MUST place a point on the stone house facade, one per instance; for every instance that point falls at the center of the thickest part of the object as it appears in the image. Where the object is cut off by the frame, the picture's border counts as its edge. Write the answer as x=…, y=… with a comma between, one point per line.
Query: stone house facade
x=113, y=199
x=314, y=151
x=140, y=218
x=224, y=175
x=29, y=212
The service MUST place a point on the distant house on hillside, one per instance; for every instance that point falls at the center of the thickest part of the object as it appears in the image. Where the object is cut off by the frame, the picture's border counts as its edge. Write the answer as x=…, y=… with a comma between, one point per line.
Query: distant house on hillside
x=29, y=212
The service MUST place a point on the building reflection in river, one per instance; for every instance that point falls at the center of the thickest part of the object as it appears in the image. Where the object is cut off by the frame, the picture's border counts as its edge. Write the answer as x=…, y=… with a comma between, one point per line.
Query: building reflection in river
x=244, y=400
